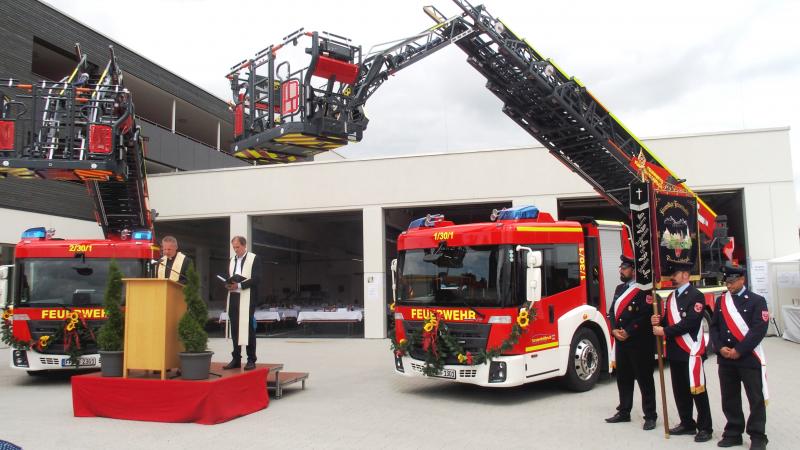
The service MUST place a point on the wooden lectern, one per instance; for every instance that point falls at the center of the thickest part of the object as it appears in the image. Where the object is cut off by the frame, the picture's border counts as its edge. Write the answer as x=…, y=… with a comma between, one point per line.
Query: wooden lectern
x=153, y=308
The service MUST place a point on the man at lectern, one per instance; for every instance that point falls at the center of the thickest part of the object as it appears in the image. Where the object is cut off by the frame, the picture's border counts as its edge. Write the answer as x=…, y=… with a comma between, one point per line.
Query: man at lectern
x=173, y=264
x=244, y=276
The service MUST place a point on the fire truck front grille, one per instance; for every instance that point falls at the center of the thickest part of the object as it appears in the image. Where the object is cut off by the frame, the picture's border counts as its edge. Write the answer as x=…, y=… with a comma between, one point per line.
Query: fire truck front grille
x=472, y=337
x=467, y=373
x=39, y=328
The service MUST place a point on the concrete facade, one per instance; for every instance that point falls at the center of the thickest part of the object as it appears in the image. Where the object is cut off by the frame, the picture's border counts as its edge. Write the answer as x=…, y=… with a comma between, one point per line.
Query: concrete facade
x=758, y=162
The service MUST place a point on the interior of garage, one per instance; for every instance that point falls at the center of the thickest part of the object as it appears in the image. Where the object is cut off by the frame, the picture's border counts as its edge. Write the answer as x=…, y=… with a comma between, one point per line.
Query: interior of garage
x=311, y=263
x=728, y=203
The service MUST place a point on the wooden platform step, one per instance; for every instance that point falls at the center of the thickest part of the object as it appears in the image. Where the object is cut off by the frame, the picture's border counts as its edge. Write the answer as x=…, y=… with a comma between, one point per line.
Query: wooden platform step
x=279, y=380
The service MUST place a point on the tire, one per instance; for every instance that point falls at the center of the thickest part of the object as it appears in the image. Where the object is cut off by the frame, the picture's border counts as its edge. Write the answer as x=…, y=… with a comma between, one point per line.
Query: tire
x=583, y=367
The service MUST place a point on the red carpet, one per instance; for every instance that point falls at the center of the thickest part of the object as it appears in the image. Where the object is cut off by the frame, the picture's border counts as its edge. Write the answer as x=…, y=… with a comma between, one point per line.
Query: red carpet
x=216, y=400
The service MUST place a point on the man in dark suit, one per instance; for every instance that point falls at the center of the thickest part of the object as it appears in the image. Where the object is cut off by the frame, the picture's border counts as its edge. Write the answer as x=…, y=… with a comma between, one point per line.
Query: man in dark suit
x=242, y=297
x=681, y=324
x=633, y=344
x=740, y=322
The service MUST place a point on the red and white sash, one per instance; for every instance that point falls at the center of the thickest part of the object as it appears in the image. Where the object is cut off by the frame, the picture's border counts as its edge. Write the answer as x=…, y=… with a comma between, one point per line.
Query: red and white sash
x=739, y=329
x=619, y=306
x=695, y=348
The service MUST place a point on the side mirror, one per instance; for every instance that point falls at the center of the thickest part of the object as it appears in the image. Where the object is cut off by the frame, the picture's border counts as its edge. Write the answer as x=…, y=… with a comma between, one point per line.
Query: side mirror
x=394, y=280
x=534, y=259
x=533, y=273
x=5, y=284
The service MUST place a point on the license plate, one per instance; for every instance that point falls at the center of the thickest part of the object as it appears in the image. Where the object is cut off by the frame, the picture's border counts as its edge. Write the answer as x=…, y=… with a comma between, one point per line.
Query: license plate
x=446, y=373
x=83, y=360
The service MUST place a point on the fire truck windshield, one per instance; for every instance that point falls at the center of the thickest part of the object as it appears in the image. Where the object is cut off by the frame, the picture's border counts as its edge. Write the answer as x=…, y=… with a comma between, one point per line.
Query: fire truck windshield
x=458, y=276
x=70, y=282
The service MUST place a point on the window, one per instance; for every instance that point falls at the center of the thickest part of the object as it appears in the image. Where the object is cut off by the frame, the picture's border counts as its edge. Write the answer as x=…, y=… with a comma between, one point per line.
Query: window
x=560, y=270
x=52, y=62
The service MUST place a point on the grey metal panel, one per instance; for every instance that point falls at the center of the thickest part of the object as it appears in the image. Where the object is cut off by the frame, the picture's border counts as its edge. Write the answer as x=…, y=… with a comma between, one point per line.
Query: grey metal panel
x=153, y=144
x=46, y=197
x=201, y=156
x=185, y=152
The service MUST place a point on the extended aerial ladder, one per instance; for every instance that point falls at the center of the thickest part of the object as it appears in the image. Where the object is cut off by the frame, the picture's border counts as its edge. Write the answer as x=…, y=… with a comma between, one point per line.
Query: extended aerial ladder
x=283, y=116
x=80, y=129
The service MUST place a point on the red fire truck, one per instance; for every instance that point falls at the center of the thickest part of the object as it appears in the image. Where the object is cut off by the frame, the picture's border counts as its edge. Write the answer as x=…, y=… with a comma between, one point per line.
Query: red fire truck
x=80, y=129
x=55, y=277
x=478, y=280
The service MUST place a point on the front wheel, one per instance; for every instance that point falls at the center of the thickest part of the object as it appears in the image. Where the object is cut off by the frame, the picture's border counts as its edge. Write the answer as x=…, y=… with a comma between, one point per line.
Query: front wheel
x=583, y=368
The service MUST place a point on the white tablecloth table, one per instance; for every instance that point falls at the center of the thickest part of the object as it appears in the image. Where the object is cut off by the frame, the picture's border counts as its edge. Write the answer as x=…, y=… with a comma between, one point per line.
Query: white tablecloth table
x=287, y=313
x=330, y=316
x=791, y=323
x=261, y=316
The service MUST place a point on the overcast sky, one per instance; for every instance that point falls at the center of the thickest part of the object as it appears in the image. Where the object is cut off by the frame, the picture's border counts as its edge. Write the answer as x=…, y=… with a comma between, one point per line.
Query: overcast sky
x=662, y=68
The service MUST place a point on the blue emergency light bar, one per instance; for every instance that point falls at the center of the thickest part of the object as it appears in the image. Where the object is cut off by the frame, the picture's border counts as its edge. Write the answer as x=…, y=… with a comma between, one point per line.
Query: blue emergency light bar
x=142, y=235
x=522, y=212
x=34, y=233
x=427, y=221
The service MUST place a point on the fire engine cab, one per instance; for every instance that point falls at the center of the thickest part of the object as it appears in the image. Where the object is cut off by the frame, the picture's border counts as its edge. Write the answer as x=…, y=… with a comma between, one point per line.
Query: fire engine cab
x=54, y=278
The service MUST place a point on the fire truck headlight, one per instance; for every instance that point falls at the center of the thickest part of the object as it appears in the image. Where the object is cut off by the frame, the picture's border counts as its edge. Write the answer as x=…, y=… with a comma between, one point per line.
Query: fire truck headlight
x=398, y=363
x=500, y=319
x=497, y=372
x=20, y=358
x=398, y=316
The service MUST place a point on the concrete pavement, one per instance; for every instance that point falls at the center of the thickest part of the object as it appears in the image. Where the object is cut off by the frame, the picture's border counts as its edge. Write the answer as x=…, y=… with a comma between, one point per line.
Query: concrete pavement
x=354, y=400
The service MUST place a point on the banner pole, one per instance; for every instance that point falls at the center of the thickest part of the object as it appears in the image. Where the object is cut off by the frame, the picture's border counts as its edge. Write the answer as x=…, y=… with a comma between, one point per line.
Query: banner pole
x=660, y=349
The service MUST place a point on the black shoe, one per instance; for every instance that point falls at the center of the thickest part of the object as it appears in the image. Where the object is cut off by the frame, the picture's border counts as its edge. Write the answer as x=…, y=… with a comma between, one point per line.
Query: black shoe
x=649, y=424
x=682, y=429
x=758, y=445
x=234, y=364
x=702, y=436
x=729, y=441
x=250, y=365
x=619, y=417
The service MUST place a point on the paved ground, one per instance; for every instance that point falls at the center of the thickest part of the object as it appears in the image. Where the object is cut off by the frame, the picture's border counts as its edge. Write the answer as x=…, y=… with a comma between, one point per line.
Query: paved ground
x=353, y=400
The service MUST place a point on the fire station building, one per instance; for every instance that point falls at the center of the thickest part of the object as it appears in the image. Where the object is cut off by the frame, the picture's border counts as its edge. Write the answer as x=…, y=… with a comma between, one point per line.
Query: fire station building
x=327, y=229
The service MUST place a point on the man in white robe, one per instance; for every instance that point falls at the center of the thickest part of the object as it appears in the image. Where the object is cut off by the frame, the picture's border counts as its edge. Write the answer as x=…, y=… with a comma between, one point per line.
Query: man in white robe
x=242, y=299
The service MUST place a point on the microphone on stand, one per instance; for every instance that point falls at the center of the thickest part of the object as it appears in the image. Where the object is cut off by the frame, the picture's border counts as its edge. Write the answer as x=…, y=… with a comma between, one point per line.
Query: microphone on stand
x=156, y=262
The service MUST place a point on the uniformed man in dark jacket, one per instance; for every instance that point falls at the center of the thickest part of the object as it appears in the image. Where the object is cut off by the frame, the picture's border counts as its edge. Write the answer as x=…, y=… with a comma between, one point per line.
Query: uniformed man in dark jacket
x=681, y=324
x=634, y=345
x=740, y=322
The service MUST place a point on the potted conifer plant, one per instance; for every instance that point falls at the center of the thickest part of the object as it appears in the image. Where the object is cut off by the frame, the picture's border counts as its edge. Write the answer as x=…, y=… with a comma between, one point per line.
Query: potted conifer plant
x=111, y=335
x=195, y=359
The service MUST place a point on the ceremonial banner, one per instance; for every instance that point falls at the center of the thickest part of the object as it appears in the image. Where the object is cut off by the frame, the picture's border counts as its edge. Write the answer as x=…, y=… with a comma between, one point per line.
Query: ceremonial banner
x=642, y=234
x=676, y=229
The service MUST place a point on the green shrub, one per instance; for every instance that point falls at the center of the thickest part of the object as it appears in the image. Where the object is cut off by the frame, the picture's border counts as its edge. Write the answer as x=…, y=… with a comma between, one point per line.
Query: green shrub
x=191, y=329
x=111, y=335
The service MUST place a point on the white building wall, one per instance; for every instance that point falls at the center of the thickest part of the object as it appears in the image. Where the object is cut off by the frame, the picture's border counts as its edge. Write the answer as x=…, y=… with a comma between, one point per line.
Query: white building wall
x=14, y=222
